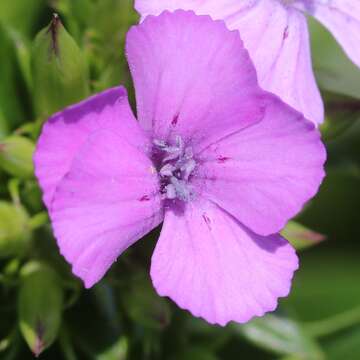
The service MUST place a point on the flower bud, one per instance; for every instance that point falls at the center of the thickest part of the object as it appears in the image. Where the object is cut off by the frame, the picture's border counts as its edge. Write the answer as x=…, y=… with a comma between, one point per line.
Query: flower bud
x=40, y=305
x=14, y=232
x=16, y=156
x=60, y=73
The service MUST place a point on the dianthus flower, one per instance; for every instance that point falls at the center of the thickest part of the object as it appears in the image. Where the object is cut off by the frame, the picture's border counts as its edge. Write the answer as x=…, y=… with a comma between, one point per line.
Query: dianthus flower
x=221, y=162
x=276, y=35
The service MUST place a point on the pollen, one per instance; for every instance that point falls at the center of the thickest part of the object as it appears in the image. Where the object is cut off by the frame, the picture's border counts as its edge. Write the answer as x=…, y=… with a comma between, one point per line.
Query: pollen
x=176, y=166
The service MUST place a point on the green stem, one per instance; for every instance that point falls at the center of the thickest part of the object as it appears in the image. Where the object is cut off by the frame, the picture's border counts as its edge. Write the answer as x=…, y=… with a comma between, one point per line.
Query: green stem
x=74, y=297
x=334, y=324
x=13, y=186
x=38, y=220
x=7, y=282
x=66, y=345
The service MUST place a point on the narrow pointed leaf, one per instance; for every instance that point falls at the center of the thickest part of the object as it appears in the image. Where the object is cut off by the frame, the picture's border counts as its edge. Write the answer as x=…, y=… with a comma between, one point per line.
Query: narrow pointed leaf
x=333, y=69
x=280, y=335
x=301, y=237
x=11, y=103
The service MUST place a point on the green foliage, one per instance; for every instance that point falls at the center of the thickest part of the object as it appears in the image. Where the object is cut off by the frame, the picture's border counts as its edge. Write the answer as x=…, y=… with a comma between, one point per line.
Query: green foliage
x=16, y=156
x=196, y=353
x=283, y=336
x=334, y=71
x=60, y=75
x=11, y=107
x=14, y=234
x=22, y=18
x=145, y=307
x=344, y=345
x=39, y=305
x=300, y=236
x=118, y=351
x=4, y=127
x=44, y=308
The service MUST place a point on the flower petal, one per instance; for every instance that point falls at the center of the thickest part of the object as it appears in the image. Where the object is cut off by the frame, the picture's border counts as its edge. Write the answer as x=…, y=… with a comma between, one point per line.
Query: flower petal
x=278, y=44
x=107, y=201
x=288, y=72
x=65, y=132
x=211, y=265
x=223, y=9
x=265, y=173
x=342, y=18
x=192, y=77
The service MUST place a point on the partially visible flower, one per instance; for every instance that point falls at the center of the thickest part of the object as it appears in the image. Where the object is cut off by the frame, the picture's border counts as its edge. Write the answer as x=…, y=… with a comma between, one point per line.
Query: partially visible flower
x=276, y=35
x=223, y=164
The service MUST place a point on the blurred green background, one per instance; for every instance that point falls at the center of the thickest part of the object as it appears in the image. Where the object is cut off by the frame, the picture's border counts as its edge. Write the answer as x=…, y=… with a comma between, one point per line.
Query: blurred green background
x=48, y=62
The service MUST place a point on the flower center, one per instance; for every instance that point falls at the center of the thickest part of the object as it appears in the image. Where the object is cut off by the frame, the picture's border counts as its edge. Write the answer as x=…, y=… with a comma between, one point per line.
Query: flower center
x=175, y=164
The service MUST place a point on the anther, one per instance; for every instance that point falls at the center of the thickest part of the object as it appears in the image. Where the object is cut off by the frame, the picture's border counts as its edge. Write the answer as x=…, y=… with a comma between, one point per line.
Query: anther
x=176, y=167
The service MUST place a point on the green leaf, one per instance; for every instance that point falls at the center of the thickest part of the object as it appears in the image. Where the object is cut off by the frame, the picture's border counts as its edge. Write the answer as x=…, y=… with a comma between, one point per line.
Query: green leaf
x=85, y=330
x=105, y=36
x=335, y=323
x=31, y=196
x=4, y=127
x=16, y=156
x=333, y=69
x=77, y=13
x=20, y=15
x=39, y=220
x=145, y=306
x=345, y=345
x=341, y=114
x=39, y=306
x=326, y=284
x=14, y=230
x=118, y=351
x=11, y=346
x=23, y=55
x=300, y=236
x=196, y=353
x=11, y=96
x=334, y=210
x=60, y=73
x=66, y=345
x=280, y=335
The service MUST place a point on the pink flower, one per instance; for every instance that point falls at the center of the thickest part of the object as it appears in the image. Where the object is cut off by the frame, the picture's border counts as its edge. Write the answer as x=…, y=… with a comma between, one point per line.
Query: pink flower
x=276, y=35
x=221, y=162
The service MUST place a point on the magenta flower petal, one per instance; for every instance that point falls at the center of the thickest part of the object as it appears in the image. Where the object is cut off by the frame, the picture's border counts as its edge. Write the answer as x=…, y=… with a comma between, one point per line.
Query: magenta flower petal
x=65, y=132
x=342, y=18
x=189, y=83
x=276, y=37
x=108, y=200
x=227, y=162
x=284, y=67
x=265, y=173
x=211, y=265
